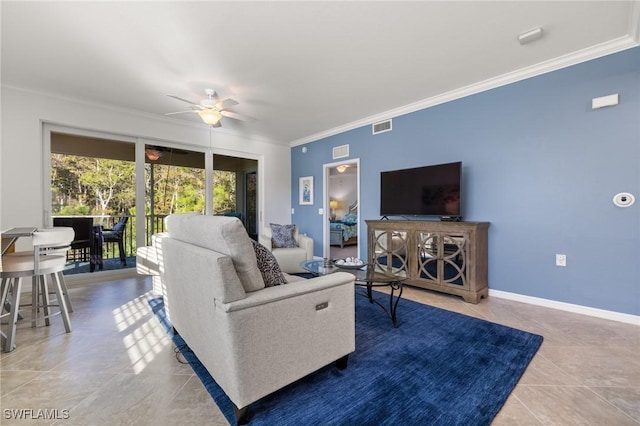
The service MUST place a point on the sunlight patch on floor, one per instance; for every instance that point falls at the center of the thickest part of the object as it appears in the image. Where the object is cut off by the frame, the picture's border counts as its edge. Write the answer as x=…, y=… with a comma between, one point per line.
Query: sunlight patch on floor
x=130, y=313
x=145, y=340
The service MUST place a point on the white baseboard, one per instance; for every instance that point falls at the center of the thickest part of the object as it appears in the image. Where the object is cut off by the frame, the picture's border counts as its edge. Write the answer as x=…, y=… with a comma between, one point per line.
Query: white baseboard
x=577, y=309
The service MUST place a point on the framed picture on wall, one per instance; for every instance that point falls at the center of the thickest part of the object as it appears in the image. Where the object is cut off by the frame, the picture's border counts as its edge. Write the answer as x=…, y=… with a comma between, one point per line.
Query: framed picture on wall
x=306, y=190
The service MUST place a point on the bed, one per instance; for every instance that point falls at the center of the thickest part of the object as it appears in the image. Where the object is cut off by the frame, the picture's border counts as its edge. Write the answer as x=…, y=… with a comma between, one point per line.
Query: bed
x=344, y=232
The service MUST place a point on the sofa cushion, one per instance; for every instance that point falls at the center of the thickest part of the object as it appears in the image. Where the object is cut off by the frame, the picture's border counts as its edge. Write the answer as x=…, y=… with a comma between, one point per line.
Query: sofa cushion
x=231, y=288
x=282, y=236
x=268, y=266
x=225, y=235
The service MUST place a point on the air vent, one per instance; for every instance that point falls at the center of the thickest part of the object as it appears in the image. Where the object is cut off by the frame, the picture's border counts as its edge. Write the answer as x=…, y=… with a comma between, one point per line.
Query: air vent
x=341, y=151
x=381, y=127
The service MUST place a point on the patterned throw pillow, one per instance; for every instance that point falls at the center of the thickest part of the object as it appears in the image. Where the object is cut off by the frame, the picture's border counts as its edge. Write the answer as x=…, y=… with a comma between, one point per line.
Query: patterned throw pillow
x=350, y=219
x=282, y=236
x=268, y=266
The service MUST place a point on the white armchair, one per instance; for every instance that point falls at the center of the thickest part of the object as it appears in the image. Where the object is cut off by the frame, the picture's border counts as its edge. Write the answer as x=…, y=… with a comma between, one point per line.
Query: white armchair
x=289, y=259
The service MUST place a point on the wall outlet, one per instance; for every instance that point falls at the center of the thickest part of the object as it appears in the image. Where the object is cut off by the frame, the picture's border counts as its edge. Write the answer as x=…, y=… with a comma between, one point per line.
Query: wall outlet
x=561, y=260
x=293, y=211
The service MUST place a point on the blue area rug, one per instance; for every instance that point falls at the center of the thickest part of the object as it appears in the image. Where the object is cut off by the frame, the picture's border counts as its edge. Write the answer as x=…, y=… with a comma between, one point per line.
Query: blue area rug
x=437, y=368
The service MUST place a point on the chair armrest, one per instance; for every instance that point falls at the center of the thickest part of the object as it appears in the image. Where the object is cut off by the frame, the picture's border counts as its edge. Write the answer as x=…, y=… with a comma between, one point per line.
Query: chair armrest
x=288, y=291
x=265, y=240
x=280, y=334
x=306, y=243
x=156, y=240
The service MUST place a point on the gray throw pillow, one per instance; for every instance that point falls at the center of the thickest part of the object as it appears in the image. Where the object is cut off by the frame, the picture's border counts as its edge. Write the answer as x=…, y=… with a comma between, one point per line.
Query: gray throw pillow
x=268, y=266
x=282, y=236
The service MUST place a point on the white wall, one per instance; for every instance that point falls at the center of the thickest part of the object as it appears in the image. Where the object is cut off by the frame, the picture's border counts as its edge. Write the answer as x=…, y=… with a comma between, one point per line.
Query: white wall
x=21, y=174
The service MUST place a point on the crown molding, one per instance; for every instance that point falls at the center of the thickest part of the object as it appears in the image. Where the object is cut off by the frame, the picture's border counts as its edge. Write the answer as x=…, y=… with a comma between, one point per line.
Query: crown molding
x=139, y=113
x=584, y=55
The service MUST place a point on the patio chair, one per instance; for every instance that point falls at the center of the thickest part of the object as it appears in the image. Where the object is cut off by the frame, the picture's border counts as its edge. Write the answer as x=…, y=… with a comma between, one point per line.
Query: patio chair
x=84, y=247
x=116, y=235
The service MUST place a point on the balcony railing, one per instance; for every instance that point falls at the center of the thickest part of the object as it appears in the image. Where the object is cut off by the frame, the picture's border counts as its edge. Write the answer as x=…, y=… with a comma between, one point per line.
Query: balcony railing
x=153, y=224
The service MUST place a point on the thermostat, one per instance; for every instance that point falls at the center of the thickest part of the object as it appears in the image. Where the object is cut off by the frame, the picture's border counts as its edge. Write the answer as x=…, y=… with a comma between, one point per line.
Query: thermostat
x=624, y=199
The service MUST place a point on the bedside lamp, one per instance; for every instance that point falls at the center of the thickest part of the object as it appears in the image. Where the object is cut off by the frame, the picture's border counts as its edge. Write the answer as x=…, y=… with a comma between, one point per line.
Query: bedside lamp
x=333, y=205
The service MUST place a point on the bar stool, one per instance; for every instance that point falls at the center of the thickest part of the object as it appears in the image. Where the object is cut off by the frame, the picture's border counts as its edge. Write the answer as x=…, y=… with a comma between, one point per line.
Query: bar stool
x=47, y=261
x=52, y=250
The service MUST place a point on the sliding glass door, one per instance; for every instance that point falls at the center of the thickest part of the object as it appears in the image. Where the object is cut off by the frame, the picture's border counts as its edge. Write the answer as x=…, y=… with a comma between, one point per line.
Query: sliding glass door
x=235, y=190
x=174, y=183
x=93, y=190
x=121, y=189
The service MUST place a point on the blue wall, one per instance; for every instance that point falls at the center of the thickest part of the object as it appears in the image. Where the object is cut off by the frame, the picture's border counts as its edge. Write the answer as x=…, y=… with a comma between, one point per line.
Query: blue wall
x=538, y=164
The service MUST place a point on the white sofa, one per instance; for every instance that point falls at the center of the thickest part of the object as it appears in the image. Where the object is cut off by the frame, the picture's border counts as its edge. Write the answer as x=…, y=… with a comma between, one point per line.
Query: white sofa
x=290, y=259
x=253, y=340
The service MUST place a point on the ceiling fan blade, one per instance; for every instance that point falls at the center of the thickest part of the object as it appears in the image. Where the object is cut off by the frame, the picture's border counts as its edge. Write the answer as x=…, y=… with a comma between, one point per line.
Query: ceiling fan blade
x=236, y=116
x=181, y=99
x=179, y=112
x=226, y=103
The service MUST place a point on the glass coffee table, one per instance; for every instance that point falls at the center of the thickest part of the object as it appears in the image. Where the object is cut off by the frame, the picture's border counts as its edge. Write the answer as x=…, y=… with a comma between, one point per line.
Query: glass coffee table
x=368, y=277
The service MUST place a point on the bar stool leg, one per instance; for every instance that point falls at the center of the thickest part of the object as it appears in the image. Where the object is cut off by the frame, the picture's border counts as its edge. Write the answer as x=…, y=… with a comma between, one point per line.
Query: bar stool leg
x=39, y=300
x=5, y=304
x=36, y=292
x=10, y=343
x=45, y=299
x=4, y=291
x=67, y=299
x=62, y=303
x=5, y=284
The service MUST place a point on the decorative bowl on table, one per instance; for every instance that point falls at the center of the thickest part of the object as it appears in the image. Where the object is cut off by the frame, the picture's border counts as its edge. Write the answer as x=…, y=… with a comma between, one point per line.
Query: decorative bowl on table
x=349, y=263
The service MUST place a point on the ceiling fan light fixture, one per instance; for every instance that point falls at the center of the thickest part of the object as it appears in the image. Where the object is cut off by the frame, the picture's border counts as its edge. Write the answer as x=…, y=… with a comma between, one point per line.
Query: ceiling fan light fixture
x=341, y=168
x=210, y=116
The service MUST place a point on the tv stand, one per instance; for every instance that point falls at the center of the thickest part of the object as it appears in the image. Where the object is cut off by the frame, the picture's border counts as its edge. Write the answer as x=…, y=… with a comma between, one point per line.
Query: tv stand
x=450, y=257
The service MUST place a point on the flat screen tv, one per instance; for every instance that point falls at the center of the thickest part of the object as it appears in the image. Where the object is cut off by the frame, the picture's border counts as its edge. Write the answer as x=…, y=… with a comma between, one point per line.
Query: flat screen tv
x=422, y=191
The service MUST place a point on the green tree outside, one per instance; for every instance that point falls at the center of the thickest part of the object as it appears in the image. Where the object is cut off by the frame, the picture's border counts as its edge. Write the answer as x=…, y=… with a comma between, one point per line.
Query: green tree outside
x=90, y=186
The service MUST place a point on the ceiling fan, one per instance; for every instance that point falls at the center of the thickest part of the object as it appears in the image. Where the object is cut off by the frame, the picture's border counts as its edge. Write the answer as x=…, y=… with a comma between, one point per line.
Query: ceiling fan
x=211, y=109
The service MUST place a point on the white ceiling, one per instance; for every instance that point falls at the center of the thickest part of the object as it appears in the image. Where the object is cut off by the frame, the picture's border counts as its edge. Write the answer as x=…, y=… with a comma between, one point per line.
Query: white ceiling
x=302, y=69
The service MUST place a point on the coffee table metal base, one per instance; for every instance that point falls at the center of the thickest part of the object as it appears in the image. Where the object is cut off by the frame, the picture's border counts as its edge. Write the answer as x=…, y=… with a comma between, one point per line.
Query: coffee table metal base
x=393, y=304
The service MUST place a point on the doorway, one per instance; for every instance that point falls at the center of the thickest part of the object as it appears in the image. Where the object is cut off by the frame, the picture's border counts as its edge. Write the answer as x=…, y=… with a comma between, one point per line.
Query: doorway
x=342, y=202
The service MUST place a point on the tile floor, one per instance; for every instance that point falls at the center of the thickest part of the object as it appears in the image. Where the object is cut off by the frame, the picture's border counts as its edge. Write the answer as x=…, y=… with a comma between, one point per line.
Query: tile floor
x=119, y=367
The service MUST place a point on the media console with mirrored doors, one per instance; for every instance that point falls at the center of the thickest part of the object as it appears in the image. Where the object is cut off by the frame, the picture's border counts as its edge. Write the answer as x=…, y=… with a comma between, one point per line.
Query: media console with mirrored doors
x=449, y=257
